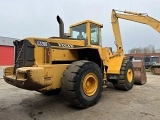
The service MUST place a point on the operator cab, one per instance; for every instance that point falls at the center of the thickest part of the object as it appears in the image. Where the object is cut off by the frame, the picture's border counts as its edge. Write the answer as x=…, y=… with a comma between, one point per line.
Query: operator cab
x=87, y=30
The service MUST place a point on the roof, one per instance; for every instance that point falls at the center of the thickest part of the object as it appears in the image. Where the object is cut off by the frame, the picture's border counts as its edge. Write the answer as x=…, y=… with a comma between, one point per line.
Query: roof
x=7, y=41
x=86, y=21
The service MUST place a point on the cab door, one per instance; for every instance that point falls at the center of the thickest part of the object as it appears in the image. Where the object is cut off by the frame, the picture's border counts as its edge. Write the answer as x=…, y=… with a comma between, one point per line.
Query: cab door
x=95, y=35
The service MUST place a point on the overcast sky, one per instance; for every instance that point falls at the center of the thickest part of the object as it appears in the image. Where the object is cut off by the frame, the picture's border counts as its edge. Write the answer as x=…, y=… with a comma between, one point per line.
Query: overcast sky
x=37, y=18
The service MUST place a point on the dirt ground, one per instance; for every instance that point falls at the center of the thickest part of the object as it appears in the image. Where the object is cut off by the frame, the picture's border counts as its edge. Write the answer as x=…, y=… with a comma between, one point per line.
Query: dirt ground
x=141, y=103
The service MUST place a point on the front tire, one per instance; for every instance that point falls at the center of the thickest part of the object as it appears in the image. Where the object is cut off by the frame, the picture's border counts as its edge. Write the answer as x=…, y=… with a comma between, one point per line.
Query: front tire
x=81, y=83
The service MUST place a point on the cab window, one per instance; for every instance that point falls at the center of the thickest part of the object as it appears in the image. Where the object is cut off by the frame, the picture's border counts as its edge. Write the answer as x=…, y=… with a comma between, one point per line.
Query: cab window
x=94, y=34
x=79, y=32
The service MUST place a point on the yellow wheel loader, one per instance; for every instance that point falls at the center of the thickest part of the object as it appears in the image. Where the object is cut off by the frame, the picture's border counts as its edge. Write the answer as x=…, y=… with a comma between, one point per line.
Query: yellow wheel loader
x=74, y=64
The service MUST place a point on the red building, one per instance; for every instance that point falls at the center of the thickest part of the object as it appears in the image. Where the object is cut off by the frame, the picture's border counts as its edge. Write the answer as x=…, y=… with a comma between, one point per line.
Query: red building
x=154, y=57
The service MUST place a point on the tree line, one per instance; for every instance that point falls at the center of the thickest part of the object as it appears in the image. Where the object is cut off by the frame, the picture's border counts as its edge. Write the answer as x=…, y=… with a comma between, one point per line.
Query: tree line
x=147, y=49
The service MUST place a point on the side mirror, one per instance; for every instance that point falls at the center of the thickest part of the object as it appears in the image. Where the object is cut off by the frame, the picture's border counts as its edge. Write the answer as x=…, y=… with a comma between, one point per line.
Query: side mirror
x=67, y=35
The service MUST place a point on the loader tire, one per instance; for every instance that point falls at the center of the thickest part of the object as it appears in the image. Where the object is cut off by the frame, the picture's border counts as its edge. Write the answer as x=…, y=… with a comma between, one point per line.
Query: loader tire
x=126, y=77
x=81, y=83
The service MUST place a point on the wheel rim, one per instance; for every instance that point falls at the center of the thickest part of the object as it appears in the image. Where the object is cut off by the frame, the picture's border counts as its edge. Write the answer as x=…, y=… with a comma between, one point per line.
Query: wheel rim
x=129, y=75
x=90, y=84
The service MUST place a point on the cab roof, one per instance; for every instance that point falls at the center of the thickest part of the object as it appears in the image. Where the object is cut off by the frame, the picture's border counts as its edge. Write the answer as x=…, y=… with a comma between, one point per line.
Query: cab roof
x=87, y=21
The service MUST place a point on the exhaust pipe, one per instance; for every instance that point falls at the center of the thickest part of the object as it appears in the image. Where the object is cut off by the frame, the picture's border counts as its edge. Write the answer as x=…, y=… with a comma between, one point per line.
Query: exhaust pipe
x=61, y=27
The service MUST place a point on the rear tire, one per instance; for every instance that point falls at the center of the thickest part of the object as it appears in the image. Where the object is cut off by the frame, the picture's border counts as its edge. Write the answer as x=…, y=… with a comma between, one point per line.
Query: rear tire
x=126, y=77
x=81, y=83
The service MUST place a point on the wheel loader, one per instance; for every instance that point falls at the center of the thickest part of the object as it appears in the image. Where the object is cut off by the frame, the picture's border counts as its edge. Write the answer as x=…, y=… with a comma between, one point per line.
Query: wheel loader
x=74, y=64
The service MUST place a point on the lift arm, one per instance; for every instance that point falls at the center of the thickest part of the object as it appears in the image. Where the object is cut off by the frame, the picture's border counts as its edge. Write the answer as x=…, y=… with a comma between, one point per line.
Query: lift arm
x=131, y=16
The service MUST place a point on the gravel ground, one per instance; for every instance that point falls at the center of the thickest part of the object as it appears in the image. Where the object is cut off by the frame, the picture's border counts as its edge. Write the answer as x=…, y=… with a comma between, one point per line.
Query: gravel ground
x=141, y=103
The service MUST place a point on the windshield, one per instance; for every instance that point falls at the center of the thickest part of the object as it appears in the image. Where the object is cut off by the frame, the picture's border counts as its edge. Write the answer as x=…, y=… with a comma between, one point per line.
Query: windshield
x=155, y=59
x=147, y=59
x=79, y=32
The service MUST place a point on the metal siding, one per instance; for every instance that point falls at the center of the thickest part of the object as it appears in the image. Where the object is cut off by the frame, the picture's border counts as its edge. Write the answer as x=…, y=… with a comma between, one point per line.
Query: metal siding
x=6, y=55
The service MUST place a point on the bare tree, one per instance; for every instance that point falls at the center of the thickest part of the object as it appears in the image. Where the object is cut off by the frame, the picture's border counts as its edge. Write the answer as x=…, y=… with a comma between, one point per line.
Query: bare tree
x=147, y=49
x=158, y=50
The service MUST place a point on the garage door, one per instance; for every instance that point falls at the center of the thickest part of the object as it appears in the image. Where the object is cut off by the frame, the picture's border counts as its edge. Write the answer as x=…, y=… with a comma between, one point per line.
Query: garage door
x=6, y=55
